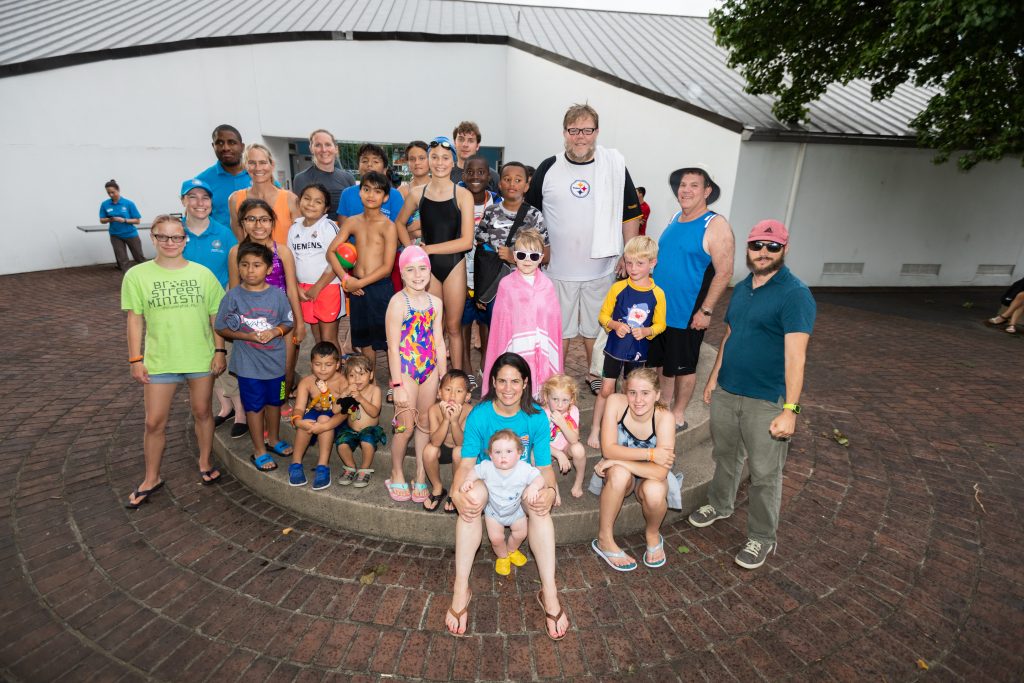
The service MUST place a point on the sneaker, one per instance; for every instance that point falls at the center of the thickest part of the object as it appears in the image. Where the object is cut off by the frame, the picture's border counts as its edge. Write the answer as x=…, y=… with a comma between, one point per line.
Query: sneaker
x=296, y=477
x=348, y=475
x=362, y=478
x=239, y=429
x=322, y=478
x=517, y=558
x=705, y=515
x=502, y=566
x=754, y=554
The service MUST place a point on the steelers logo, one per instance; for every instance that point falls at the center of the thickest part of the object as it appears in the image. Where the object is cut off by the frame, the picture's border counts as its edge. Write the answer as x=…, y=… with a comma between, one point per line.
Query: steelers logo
x=580, y=188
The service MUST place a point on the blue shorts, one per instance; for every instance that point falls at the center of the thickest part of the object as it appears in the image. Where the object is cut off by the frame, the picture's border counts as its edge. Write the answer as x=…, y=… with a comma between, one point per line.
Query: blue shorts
x=258, y=393
x=314, y=415
x=471, y=314
x=177, y=377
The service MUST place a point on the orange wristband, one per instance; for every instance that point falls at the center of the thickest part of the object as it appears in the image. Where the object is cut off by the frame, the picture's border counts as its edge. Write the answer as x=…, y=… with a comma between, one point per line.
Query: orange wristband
x=650, y=455
x=136, y=359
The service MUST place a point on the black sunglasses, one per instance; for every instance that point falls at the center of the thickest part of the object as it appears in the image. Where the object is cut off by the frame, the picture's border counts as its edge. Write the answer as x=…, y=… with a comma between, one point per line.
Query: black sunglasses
x=758, y=245
x=532, y=255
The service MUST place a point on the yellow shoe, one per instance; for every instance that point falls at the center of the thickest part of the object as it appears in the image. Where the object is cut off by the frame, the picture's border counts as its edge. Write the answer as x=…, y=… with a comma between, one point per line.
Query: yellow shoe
x=517, y=558
x=502, y=566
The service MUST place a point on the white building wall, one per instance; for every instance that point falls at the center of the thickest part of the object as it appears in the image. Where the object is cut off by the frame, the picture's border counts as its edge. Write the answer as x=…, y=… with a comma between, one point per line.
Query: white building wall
x=147, y=122
x=884, y=207
x=654, y=138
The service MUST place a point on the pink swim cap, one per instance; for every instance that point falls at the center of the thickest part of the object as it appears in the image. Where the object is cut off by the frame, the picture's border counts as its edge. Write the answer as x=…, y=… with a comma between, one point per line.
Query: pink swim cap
x=413, y=254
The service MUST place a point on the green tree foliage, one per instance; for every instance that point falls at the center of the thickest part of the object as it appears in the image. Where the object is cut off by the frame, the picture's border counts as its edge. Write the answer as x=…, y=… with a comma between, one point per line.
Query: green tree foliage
x=970, y=51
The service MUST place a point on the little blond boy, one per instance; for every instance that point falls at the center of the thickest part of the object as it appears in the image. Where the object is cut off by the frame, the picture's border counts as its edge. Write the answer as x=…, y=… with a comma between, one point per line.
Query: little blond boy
x=633, y=314
x=363, y=430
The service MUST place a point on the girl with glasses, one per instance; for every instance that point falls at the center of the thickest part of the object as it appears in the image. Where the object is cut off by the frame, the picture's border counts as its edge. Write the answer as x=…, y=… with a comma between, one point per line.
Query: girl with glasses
x=171, y=304
x=527, y=319
x=259, y=221
x=446, y=221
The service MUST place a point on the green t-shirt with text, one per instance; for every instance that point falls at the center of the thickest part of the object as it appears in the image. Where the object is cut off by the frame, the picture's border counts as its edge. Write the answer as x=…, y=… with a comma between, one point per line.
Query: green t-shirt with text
x=177, y=305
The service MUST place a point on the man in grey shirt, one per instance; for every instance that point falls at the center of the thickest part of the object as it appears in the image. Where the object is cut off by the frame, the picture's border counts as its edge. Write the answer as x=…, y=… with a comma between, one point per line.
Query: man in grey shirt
x=325, y=152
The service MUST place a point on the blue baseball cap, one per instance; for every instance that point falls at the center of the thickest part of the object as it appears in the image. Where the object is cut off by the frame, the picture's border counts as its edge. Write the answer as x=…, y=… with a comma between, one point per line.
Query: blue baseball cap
x=193, y=183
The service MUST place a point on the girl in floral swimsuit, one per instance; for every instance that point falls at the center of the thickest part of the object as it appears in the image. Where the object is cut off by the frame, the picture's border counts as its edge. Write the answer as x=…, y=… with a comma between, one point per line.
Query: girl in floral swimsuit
x=416, y=358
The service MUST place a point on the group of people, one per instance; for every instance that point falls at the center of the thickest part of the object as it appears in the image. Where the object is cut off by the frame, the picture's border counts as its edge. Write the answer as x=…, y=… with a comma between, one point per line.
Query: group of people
x=546, y=248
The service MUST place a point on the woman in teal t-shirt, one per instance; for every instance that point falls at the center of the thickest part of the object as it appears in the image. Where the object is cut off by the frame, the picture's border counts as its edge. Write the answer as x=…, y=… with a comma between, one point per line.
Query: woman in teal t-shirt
x=176, y=302
x=120, y=215
x=506, y=406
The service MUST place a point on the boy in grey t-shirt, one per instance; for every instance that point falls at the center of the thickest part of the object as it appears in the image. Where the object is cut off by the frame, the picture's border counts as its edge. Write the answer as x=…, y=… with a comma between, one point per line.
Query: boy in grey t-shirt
x=510, y=480
x=255, y=317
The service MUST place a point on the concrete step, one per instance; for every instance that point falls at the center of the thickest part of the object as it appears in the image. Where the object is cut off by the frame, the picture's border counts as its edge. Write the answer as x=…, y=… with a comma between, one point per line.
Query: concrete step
x=371, y=512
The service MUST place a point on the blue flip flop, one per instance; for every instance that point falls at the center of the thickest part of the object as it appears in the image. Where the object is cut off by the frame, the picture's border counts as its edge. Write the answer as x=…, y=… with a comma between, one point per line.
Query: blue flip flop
x=607, y=557
x=260, y=462
x=654, y=549
x=279, y=448
x=142, y=496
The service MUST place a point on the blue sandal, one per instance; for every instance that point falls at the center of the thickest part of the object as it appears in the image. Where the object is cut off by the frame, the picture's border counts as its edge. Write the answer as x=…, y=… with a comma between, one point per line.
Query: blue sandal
x=282, y=448
x=261, y=462
x=142, y=497
x=607, y=556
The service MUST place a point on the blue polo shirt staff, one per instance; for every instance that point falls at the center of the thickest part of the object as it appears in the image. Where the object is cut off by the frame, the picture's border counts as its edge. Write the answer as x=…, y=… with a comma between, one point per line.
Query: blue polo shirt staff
x=208, y=241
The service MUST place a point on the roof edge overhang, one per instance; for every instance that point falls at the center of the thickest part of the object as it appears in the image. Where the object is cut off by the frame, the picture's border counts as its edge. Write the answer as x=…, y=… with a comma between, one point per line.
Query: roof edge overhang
x=776, y=135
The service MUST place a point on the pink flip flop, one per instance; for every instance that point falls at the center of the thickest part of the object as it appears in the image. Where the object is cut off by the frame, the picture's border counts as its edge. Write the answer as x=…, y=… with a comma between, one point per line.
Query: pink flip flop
x=398, y=492
x=420, y=492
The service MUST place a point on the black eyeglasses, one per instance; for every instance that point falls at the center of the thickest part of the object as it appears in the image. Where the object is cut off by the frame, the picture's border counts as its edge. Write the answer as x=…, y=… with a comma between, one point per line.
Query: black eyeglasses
x=532, y=255
x=443, y=144
x=758, y=245
x=175, y=239
x=577, y=131
x=262, y=220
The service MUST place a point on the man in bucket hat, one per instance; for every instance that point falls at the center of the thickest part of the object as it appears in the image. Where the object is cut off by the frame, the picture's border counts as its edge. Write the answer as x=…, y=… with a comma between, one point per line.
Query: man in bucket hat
x=754, y=389
x=695, y=257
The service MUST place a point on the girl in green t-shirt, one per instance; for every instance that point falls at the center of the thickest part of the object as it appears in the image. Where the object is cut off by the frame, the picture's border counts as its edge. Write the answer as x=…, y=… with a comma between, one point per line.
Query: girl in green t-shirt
x=175, y=302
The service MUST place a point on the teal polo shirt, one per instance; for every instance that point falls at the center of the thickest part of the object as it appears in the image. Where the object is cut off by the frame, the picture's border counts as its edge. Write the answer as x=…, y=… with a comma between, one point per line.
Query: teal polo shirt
x=223, y=184
x=211, y=249
x=754, y=360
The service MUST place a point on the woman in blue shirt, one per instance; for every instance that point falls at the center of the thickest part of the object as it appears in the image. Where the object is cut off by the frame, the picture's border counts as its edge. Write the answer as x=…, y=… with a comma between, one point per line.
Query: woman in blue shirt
x=120, y=216
x=506, y=406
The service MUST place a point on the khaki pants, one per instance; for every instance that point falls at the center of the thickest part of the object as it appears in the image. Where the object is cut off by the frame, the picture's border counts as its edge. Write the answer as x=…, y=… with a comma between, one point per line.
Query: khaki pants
x=739, y=428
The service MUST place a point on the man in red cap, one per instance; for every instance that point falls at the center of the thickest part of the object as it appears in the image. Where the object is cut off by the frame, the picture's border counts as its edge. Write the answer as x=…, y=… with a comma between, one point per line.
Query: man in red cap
x=754, y=389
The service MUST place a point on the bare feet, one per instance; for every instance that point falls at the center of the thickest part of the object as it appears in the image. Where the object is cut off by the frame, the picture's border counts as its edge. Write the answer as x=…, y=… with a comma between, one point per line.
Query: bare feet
x=577, y=491
x=594, y=440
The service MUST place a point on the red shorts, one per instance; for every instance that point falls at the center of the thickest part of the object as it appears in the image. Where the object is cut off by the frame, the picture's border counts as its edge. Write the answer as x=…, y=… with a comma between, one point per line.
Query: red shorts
x=326, y=308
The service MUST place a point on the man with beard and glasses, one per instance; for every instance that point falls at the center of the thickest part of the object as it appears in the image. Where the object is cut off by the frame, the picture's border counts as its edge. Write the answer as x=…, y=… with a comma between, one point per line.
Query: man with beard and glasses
x=754, y=389
x=591, y=210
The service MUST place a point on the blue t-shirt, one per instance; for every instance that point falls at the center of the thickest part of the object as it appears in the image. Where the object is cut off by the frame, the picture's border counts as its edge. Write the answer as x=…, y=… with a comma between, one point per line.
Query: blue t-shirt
x=533, y=430
x=754, y=360
x=684, y=269
x=242, y=310
x=211, y=249
x=124, y=208
x=223, y=184
x=352, y=205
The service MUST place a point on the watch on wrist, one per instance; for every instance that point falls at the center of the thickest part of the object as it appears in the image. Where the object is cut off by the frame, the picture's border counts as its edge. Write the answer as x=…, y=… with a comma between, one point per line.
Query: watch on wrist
x=795, y=407
x=706, y=311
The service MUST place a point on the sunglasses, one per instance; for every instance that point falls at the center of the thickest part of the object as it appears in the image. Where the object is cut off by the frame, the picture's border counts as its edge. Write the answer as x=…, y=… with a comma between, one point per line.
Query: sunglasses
x=444, y=145
x=531, y=255
x=758, y=245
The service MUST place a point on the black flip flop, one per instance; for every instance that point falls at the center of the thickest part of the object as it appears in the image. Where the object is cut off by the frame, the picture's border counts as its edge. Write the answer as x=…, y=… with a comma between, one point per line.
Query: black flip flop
x=454, y=510
x=436, y=500
x=209, y=473
x=143, y=497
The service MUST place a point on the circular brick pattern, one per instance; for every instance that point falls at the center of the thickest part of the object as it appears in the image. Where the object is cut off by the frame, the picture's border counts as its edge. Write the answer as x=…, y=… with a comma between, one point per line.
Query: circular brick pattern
x=886, y=557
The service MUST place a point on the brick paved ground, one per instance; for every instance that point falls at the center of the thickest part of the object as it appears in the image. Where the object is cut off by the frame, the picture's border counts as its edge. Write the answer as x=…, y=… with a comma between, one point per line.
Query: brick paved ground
x=887, y=556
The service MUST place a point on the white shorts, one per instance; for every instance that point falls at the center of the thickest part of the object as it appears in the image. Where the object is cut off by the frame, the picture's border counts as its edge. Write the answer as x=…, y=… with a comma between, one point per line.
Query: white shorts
x=504, y=520
x=581, y=305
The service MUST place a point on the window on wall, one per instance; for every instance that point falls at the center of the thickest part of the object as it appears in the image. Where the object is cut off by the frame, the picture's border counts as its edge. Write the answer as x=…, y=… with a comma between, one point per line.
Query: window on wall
x=300, y=157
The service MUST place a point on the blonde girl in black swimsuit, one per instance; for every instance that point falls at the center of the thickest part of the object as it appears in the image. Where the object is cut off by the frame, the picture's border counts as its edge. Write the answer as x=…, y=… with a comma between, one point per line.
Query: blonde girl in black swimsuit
x=446, y=221
x=638, y=444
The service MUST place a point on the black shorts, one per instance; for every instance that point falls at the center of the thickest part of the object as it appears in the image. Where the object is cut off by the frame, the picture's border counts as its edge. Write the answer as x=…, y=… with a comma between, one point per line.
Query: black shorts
x=367, y=315
x=1011, y=293
x=676, y=351
x=615, y=368
x=445, y=457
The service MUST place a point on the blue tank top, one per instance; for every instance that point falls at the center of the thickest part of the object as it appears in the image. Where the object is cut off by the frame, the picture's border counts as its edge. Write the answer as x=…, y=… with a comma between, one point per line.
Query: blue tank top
x=684, y=269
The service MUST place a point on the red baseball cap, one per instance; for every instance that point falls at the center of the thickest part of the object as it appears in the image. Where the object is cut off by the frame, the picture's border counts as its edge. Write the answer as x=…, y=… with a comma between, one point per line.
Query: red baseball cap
x=770, y=230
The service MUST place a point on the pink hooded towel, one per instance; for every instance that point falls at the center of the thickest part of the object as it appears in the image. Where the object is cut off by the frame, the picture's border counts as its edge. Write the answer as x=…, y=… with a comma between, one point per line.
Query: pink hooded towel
x=526, y=320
